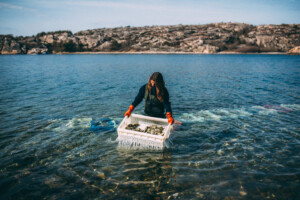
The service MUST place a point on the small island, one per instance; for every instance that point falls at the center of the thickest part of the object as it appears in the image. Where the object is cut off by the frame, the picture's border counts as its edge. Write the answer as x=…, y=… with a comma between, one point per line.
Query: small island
x=222, y=38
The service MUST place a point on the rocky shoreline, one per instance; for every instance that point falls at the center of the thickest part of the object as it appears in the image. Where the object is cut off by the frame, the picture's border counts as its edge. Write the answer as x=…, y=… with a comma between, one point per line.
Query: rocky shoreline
x=215, y=38
x=162, y=52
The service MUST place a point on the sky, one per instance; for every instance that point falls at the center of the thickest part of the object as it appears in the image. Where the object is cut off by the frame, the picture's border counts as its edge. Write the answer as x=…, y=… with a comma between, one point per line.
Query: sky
x=29, y=17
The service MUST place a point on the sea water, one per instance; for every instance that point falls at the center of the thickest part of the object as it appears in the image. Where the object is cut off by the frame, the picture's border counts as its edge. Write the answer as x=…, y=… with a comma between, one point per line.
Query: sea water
x=239, y=138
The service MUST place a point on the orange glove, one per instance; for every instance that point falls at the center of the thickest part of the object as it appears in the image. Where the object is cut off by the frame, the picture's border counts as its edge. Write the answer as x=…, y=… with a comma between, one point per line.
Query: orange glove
x=128, y=112
x=170, y=118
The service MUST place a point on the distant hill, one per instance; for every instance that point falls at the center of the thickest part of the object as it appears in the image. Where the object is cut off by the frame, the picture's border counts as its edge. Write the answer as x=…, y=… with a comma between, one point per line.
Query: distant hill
x=209, y=38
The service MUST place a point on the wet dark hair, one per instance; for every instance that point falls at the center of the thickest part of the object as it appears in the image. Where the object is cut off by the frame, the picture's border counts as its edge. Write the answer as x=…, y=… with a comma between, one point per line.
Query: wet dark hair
x=159, y=84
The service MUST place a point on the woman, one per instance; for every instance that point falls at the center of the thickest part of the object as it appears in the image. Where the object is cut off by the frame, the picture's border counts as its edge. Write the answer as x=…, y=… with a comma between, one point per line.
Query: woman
x=156, y=98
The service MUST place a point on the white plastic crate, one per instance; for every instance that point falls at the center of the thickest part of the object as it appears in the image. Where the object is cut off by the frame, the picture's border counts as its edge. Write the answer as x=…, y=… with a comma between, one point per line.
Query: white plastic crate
x=141, y=138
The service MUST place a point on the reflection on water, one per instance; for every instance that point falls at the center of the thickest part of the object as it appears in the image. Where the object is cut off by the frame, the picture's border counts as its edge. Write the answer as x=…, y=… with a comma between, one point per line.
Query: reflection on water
x=239, y=137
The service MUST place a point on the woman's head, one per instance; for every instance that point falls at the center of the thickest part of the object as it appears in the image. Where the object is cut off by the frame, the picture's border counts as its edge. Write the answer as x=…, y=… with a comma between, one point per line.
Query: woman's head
x=157, y=80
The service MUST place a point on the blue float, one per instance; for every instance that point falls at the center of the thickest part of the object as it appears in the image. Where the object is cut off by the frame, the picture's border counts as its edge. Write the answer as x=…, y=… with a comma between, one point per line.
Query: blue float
x=102, y=124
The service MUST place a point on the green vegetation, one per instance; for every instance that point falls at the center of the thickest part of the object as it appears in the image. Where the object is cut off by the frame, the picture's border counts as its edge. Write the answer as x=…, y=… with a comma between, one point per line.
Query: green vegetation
x=70, y=46
x=54, y=32
x=115, y=45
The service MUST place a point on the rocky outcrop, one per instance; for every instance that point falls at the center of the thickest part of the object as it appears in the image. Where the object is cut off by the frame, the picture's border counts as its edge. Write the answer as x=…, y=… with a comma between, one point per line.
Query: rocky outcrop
x=295, y=51
x=40, y=50
x=10, y=47
x=209, y=38
x=49, y=39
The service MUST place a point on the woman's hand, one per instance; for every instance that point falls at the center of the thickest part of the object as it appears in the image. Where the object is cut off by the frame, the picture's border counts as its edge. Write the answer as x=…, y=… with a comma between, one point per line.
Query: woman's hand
x=170, y=118
x=128, y=112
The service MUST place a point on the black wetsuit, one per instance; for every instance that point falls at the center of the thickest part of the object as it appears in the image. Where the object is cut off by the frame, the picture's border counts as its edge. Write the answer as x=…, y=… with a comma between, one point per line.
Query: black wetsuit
x=153, y=107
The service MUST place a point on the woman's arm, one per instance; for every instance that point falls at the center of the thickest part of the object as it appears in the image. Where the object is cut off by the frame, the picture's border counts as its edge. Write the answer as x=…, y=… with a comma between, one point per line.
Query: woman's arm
x=139, y=96
x=136, y=101
x=167, y=103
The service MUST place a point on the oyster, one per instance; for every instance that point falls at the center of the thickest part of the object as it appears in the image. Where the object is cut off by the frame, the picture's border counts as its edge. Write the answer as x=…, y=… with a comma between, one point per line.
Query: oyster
x=153, y=126
x=132, y=126
x=153, y=129
x=148, y=130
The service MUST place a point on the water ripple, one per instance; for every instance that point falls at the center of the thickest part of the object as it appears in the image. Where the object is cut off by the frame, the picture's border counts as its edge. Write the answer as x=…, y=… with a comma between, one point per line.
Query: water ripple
x=239, y=139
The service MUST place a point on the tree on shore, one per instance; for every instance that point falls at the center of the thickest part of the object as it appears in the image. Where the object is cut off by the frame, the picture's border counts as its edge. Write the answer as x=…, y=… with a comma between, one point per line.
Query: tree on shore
x=115, y=45
x=70, y=46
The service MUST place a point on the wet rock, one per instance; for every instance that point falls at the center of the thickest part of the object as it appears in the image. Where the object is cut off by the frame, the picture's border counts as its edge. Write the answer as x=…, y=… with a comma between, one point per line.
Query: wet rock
x=220, y=152
x=81, y=154
x=166, y=167
x=173, y=196
x=26, y=172
x=101, y=175
x=200, y=195
x=54, y=181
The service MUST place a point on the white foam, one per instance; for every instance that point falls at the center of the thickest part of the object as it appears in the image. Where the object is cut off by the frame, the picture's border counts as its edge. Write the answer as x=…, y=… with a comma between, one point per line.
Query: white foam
x=267, y=112
x=258, y=107
x=79, y=122
x=191, y=117
x=291, y=106
x=200, y=116
x=274, y=108
x=225, y=113
x=243, y=113
x=210, y=115
x=65, y=125
x=214, y=114
x=264, y=111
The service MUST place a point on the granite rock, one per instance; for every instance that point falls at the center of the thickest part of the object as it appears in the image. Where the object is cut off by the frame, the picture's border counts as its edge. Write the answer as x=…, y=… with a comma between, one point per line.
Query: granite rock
x=295, y=50
x=208, y=38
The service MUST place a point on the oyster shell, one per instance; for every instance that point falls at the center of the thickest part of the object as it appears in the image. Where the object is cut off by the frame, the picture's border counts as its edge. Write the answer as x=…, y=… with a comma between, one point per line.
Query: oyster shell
x=132, y=126
x=153, y=129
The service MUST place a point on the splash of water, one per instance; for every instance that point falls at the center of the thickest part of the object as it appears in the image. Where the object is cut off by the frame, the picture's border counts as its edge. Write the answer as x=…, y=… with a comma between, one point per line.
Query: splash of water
x=228, y=113
x=131, y=142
